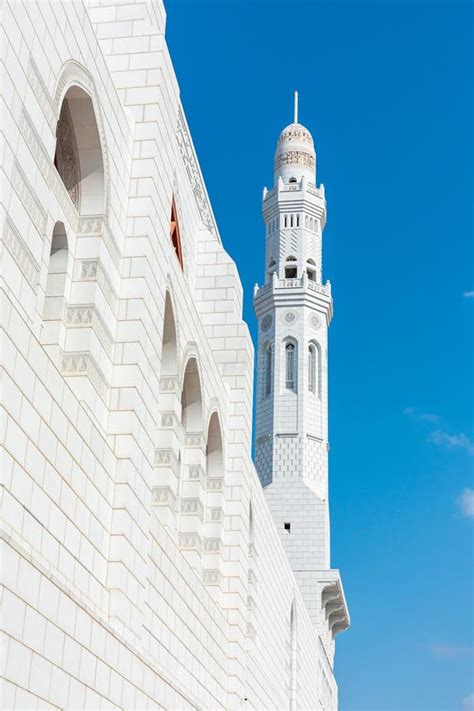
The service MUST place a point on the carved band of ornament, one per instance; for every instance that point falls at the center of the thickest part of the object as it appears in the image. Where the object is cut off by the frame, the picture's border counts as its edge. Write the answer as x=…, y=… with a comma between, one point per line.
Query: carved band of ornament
x=87, y=315
x=28, y=197
x=214, y=515
x=194, y=439
x=195, y=472
x=192, y=507
x=73, y=364
x=169, y=385
x=169, y=420
x=166, y=458
x=42, y=94
x=47, y=169
x=295, y=158
x=91, y=270
x=212, y=545
x=211, y=577
x=190, y=542
x=97, y=226
x=215, y=484
x=21, y=254
x=163, y=496
x=194, y=174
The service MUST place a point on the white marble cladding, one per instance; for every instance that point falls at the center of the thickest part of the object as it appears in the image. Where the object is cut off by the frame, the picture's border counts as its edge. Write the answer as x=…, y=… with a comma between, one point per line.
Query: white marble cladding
x=133, y=574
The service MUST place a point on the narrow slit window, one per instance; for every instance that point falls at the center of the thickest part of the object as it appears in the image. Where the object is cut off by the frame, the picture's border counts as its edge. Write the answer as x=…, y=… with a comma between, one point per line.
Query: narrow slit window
x=290, y=351
x=268, y=370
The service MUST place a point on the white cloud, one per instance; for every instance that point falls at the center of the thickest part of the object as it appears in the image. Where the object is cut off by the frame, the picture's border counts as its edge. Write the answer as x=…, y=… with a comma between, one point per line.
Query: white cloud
x=469, y=294
x=415, y=414
x=466, y=502
x=451, y=651
x=467, y=703
x=445, y=439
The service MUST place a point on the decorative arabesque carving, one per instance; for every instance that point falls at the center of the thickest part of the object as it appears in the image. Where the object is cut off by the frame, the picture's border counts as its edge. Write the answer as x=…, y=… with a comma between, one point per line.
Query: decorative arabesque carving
x=66, y=158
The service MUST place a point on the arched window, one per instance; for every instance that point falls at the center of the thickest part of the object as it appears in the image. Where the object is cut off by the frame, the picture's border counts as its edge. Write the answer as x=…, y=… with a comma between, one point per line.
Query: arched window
x=290, y=356
x=311, y=270
x=314, y=366
x=268, y=369
x=191, y=400
x=297, y=220
x=55, y=284
x=78, y=156
x=175, y=233
x=306, y=220
x=291, y=271
x=286, y=220
x=169, y=361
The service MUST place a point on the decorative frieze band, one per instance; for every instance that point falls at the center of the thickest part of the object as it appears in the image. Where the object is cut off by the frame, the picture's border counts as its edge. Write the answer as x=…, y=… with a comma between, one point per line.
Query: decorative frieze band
x=98, y=227
x=84, y=364
x=88, y=316
x=42, y=94
x=20, y=253
x=92, y=270
x=163, y=496
x=169, y=420
x=169, y=385
x=215, y=484
x=194, y=174
x=211, y=577
x=195, y=471
x=28, y=197
x=47, y=169
x=166, y=458
x=192, y=507
x=214, y=515
x=212, y=545
x=194, y=439
x=190, y=542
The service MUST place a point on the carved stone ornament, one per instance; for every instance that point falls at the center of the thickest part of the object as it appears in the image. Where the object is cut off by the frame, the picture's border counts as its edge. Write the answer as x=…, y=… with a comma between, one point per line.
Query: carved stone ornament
x=290, y=317
x=315, y=321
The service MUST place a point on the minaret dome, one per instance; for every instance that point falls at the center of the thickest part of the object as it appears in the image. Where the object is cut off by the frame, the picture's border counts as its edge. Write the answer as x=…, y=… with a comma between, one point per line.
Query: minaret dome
x=295, y=156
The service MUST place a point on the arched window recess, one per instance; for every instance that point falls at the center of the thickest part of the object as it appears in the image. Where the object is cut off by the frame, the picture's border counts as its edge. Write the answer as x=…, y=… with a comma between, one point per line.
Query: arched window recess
x=291, y=366
x=78, y=155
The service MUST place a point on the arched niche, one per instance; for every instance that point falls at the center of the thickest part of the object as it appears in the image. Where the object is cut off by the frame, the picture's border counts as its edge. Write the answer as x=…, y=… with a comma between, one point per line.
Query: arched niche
x=214, y=452
x=169, y=351
x=80, y=155
x=57, y=274
x=191, y=398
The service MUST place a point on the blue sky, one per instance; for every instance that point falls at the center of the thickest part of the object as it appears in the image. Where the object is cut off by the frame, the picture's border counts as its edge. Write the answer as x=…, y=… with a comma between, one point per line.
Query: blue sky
x=386, y=88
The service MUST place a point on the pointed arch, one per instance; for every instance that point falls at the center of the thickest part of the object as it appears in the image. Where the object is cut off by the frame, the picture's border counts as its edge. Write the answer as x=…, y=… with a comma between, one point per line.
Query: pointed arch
x=169, y=350
x=55, y=284
x=214, y=447
x=191, y=398
x=291, y=365
x=80, y=152
x=314, y=368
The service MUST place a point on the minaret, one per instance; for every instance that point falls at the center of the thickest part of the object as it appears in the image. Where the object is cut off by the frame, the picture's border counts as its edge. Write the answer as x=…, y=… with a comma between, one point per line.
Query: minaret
x=294, y=309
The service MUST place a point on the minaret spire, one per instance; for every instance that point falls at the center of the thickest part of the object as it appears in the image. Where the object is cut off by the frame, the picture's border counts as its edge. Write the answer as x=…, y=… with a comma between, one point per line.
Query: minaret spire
x=296, y=108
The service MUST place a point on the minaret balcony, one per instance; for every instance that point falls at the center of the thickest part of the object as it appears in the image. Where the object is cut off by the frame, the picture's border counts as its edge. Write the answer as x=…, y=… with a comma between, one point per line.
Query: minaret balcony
x=301, y=283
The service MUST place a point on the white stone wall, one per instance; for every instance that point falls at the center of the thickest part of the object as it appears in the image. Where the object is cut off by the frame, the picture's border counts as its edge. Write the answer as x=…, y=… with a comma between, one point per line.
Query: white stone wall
x=108, y=599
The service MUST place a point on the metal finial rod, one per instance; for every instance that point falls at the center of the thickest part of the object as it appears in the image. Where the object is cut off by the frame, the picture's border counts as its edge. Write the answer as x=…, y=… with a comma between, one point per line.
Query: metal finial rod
x=296, y=107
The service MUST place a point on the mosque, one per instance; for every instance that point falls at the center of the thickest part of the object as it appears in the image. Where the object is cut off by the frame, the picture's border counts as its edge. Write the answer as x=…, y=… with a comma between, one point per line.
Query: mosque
x=147, y=562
